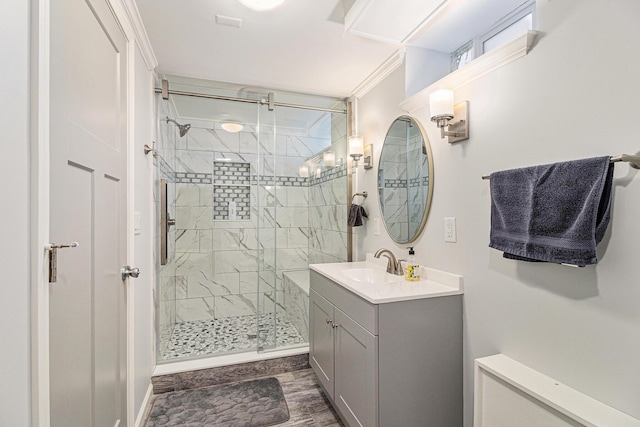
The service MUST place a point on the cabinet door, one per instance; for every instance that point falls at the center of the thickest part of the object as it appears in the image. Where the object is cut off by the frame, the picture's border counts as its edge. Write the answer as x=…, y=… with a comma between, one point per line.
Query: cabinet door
x=356, y=372
x=321, y=355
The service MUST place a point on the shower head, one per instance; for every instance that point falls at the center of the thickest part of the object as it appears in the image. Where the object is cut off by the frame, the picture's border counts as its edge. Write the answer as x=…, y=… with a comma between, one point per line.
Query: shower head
x=182, y=128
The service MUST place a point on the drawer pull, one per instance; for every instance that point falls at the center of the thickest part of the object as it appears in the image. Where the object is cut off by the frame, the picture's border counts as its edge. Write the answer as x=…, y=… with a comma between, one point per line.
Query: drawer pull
x=333, y=325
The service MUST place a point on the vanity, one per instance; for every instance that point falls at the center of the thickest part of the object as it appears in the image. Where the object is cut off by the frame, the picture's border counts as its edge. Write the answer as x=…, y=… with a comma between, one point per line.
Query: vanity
x=387, y=352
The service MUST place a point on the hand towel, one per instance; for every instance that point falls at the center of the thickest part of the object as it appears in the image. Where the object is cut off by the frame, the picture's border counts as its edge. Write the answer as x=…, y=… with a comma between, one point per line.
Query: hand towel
x=356, y=214
x=554, y=213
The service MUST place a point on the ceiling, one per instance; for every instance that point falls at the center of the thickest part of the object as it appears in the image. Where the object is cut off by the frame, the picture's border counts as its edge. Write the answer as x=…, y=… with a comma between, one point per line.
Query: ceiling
x=303, y=45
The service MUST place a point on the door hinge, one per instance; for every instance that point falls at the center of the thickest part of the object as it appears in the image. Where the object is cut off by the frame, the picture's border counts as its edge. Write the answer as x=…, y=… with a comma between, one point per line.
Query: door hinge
x=53, y=258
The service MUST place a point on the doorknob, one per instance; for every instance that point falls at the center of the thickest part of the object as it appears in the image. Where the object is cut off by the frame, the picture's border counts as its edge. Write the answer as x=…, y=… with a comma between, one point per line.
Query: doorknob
x=127, y=271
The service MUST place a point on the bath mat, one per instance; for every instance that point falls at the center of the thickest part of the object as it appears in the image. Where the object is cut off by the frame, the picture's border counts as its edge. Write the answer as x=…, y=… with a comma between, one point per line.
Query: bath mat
x=256, y=403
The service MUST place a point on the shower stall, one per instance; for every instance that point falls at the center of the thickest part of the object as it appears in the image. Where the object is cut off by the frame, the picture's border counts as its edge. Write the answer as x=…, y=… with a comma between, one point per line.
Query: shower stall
x=251, y=188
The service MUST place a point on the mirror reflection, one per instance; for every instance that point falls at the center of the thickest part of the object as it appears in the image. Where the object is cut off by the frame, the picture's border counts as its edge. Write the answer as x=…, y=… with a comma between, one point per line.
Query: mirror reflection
x=405, y=185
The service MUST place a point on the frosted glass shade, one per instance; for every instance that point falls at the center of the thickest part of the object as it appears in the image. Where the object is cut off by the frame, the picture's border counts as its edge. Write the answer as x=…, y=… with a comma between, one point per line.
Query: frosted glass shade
x=441, y=103
x=303, y=171
x=261, y=5
x=329, y=158
x=356, y=144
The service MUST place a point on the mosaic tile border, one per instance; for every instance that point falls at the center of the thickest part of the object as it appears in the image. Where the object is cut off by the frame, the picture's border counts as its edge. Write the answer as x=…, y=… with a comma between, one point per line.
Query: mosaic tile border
x=419, y=182
x=207, y=178
x=329, y=175
x=287, y=181
x=395, y=183
x=193, y=178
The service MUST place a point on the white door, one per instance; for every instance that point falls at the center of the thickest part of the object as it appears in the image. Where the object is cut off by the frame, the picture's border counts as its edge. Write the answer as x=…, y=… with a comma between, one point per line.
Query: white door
x=88, y=204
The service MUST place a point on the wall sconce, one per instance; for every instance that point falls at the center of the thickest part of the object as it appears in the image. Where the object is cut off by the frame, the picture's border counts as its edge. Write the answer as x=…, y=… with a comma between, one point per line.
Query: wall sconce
x=303, y=171
x=356, y=148
x=368, y=156
x=329, y=159
x=443, y=111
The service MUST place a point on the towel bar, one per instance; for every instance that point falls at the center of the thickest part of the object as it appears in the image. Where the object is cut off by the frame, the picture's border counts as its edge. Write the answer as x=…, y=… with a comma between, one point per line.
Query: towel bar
x=363, y=194
x=633, y=159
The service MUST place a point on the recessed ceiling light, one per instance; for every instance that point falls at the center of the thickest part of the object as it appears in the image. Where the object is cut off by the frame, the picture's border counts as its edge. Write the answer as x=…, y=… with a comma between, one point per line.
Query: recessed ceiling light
x=261, y=4
x=232, y=127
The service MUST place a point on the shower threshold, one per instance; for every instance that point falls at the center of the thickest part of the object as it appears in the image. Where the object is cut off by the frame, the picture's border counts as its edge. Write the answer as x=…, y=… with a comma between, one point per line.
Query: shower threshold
x=230, y=335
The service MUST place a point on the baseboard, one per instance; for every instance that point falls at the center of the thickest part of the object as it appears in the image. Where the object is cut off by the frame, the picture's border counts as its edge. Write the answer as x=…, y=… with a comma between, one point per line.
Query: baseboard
x=145, y=407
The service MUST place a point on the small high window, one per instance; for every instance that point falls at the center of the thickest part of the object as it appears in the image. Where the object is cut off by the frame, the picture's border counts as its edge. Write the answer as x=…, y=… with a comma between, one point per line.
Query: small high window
x=510, y=26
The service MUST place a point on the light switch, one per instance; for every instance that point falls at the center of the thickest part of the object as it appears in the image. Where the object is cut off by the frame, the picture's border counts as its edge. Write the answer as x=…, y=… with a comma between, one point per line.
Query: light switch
x=450, y=229
x=376, y=226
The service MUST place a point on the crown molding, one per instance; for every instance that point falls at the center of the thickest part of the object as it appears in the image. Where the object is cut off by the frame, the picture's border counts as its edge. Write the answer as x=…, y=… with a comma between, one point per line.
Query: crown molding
x=387, y=67
x=481, y=66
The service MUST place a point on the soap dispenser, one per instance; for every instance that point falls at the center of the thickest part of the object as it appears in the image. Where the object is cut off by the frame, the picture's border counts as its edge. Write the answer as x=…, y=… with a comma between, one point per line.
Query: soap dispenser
x=413, y=268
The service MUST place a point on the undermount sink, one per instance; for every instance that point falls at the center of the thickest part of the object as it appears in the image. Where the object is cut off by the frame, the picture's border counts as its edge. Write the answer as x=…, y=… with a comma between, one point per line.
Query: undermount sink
x=371, y=275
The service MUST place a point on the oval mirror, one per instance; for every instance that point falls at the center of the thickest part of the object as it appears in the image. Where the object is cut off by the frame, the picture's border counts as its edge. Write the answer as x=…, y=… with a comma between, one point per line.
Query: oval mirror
x=405, y=184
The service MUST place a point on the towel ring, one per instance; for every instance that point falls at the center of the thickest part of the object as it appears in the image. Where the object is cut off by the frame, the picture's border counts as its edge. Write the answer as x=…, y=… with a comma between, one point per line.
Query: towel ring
x=363, y=194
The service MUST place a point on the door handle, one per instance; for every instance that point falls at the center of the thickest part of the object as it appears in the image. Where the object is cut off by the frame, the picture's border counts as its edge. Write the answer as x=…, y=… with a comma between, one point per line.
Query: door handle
x=128, y=271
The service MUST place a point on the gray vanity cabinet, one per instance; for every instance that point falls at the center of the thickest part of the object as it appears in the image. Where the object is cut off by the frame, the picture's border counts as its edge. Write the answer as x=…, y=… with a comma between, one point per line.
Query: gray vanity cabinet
x=344, y=356
x=321, y=357
x=387, y=365
x=356, y=371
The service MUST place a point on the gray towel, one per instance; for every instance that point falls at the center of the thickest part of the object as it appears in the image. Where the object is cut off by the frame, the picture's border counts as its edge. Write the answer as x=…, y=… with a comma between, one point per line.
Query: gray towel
x=554, y=213
x=356, y=213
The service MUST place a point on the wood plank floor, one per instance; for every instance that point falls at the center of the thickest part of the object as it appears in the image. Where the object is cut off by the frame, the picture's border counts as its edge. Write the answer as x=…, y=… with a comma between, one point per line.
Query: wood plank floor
x=306, y=401
x=308, y=405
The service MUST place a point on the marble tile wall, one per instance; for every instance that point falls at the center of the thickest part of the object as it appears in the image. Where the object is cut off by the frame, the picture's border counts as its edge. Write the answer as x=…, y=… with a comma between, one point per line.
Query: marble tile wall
x=219, y=268
x=227, y=268
x=328, y=203
x=296, y=300
x=394, y=187
x=417, y=183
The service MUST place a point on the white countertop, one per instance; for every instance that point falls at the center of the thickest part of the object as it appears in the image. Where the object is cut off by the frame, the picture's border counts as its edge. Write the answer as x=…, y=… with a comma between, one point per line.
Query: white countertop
x=433, y=283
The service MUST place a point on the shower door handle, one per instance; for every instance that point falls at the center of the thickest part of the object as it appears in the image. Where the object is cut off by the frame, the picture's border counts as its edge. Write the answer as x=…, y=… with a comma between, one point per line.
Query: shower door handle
x=165, y=222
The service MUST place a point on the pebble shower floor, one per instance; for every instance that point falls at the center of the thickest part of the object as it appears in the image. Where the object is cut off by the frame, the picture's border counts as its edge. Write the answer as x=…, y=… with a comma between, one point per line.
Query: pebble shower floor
x=207, y=337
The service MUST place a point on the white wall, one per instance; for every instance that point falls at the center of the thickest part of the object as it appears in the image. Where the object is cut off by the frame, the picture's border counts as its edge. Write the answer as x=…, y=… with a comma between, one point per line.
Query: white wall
x=14, y=217
x=579, y=326
x=143, y=326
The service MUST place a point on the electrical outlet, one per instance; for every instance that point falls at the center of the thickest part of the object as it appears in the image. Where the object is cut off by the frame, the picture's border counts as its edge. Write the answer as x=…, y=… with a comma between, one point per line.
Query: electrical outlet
x=376, y=226
x=450, y=229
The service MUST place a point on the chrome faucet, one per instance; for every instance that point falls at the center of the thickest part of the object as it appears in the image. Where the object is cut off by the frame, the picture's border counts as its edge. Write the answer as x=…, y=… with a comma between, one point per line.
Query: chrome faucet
x=393, y=265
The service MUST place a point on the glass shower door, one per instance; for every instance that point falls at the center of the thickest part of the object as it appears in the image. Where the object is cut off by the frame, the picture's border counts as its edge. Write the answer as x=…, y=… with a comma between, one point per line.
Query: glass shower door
x=301, y=151
x=268, y=194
